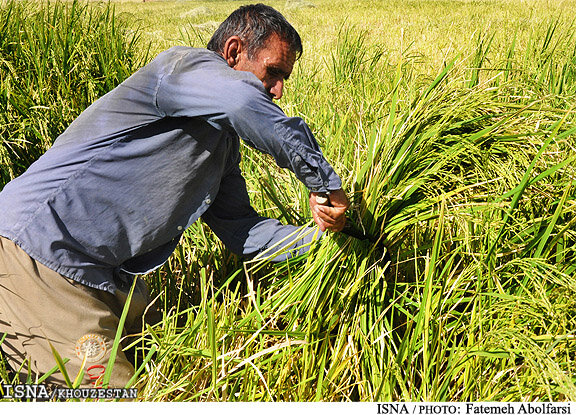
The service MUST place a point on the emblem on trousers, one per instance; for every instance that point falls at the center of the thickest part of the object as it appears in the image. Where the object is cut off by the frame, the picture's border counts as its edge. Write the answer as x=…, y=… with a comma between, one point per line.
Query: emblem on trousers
x=91, y=345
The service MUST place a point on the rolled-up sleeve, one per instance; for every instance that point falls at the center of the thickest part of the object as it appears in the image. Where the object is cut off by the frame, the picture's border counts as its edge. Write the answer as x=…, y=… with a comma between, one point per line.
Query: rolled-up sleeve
x=236, y=100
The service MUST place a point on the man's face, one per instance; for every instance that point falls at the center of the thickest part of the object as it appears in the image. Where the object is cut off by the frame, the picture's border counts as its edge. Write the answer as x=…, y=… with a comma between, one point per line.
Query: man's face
x=272, y=64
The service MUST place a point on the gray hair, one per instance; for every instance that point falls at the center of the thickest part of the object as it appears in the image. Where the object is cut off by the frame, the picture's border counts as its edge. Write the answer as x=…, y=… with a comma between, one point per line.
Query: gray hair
x=254, y=24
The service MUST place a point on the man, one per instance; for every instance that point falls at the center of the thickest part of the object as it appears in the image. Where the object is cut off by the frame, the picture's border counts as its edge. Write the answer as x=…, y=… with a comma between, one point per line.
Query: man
x=118, y=188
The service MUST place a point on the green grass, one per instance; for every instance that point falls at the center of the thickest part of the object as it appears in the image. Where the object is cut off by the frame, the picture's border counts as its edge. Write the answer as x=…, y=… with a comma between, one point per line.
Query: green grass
x=452, y=126
x=54, y=61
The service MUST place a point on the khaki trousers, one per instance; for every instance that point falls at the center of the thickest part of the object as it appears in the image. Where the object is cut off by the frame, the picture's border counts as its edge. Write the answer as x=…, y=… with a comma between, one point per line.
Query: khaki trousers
x=39, y=308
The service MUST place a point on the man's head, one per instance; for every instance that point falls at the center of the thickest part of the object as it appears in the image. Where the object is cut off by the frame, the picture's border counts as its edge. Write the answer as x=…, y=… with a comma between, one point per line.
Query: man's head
x=258, y=39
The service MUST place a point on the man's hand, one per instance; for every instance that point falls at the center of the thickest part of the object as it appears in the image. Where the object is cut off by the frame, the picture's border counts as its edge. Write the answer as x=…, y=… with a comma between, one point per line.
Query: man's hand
x=329, y=214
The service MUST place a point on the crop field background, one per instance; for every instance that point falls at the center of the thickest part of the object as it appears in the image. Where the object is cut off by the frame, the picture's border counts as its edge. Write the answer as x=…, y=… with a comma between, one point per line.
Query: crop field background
x=452, y=125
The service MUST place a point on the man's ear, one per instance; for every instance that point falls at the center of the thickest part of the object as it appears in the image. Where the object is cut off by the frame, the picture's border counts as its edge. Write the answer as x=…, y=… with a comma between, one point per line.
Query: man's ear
x=232, y=50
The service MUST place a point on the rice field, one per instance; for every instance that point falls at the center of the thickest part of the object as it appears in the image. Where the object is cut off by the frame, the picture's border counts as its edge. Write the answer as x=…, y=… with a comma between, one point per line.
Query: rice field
x=452, y=126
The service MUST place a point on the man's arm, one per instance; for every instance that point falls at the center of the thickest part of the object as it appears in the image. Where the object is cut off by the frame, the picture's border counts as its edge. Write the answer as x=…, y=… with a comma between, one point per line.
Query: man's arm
x=236, y=100
x=244, y=232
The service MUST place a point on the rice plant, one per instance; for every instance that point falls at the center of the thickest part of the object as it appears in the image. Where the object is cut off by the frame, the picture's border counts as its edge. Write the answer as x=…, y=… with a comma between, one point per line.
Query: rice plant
x=55, y=60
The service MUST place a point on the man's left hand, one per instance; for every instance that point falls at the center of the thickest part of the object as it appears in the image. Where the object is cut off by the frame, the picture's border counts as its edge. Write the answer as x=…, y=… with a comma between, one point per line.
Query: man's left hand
x=330, y=216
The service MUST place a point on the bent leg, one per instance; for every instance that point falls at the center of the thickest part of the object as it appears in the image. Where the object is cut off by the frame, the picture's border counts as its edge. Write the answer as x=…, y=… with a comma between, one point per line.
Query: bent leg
x=40, y=308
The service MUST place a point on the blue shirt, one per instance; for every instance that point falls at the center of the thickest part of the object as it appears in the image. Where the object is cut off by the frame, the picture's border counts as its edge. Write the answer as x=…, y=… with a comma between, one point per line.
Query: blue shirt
x=119, y=187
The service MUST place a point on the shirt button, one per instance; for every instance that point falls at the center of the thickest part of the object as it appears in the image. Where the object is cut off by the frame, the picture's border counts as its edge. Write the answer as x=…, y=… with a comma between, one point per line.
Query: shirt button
x=179, y=228
x=207, y=201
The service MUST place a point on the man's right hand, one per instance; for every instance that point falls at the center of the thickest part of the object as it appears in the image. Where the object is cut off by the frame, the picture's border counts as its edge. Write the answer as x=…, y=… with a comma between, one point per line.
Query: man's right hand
x=331, y=215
